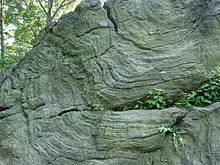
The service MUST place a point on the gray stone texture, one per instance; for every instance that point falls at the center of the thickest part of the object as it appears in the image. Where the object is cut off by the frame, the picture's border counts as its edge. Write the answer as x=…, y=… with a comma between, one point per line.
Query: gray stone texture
x=81, y=60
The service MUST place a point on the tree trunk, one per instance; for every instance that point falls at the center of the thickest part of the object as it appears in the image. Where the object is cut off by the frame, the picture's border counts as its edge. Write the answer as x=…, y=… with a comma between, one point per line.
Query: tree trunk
x=49, y=13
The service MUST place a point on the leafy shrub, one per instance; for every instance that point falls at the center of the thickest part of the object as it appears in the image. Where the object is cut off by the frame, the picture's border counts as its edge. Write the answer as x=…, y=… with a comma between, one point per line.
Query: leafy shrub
x=152, y=100
x=187, y=101
x=206, y=94
x=209, y=92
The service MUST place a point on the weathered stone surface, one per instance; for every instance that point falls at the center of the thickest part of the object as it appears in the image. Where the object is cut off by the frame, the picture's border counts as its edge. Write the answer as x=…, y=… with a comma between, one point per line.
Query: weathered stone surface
x=111, y=138
x=82, y=60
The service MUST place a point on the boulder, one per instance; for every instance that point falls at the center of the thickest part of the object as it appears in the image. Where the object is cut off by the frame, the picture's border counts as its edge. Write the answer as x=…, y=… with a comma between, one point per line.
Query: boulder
x=112, y=56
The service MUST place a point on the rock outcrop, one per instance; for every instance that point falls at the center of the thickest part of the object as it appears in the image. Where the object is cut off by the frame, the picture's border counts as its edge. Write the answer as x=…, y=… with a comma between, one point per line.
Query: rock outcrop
x=81, y=60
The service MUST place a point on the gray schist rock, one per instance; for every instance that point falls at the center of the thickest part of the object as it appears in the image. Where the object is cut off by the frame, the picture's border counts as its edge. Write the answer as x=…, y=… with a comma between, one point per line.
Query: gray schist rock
x=81, y=60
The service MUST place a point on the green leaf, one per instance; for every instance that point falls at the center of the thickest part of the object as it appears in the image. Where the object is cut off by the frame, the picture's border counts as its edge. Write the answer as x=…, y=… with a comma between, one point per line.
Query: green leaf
x=207, y=101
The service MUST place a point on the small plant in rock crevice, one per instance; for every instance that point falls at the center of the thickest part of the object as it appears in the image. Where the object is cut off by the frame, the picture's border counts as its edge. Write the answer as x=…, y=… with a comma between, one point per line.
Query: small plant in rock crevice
x=187, y=101
x=177, y=138
x=97, y=107
x=206, y=94
x=152, y=100
x=209, y=92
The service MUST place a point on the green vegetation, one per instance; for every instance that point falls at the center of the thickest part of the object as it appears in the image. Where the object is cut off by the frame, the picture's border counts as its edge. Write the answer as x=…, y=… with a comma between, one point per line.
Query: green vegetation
x=207, y=93
x=177, y=139
x=8, y=60
x=97, y=107
x=152, y=100
x=187, y=101
x=22, y=20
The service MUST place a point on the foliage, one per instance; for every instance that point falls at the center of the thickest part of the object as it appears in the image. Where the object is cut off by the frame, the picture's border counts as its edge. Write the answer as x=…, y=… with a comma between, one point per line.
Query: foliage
x=206, y=94
x=54, y=9
x=215, y=73
x=8, y=61
x=97, y=107
x=23, y=20
x=165, y=129
x=177, y=139
x=209, y=92
x=152, y=100
x=187, y=101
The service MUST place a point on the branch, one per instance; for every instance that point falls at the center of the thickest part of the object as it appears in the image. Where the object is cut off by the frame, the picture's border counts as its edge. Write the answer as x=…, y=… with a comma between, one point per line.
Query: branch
x=49, y=13
x=50, y=5
x=42, y=7
x=56, y=11
x=19, y=39
x=68, y=3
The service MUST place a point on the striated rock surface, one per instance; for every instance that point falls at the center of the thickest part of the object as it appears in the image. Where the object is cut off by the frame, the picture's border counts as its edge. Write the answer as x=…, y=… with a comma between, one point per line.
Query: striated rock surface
x=111, y=138
x=81, y=60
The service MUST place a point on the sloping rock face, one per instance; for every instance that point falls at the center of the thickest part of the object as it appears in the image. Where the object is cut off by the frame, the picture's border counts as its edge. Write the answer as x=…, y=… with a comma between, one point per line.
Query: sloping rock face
x=111, y=56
